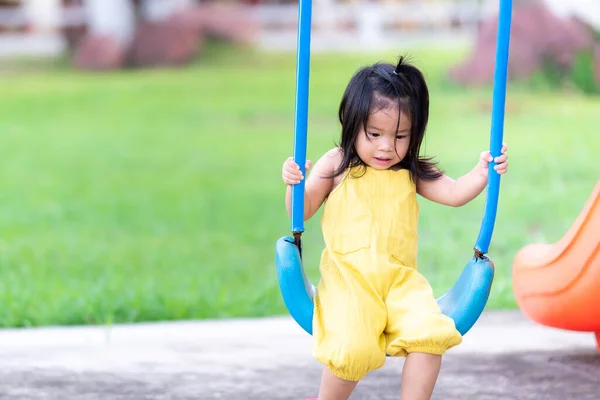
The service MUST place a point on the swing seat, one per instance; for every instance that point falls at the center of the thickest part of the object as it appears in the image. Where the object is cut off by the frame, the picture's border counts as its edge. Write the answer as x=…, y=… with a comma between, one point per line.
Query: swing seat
x=466, y=300
x=296, y=289
x=464, y=303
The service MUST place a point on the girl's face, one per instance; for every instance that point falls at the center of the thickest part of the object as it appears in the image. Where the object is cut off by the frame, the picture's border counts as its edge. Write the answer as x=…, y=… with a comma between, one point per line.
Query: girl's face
x=382, y=146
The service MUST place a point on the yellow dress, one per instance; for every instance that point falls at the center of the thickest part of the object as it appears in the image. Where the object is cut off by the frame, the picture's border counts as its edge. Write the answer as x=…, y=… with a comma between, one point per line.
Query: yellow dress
x=371, y=301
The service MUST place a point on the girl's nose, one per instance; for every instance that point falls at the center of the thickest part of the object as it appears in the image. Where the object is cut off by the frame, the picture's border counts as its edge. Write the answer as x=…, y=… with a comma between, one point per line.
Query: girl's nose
x=387, y=145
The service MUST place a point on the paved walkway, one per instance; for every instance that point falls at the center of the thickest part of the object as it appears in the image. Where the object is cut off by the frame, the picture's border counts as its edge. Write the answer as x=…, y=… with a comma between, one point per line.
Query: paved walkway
x=503, y=357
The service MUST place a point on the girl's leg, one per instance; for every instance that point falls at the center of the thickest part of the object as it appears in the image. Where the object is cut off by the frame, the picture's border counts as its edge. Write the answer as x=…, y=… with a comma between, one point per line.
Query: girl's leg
x=348, y=324
x=417, y=328
x=334, y=388
x=419, y=375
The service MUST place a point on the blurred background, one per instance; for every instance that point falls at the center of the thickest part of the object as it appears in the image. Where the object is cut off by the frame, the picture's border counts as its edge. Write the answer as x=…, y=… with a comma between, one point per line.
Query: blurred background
x=142, y=143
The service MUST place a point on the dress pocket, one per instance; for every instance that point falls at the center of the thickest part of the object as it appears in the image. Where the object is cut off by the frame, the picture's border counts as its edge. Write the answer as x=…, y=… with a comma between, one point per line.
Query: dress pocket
x=403, y=246
x=352, y=235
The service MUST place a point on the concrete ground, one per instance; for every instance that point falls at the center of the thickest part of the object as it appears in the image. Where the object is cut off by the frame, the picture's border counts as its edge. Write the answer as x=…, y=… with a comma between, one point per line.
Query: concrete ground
x=503, y=357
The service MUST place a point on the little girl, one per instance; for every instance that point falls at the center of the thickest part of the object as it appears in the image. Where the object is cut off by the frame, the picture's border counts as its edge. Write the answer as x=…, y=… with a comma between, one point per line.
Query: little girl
x=371, y=301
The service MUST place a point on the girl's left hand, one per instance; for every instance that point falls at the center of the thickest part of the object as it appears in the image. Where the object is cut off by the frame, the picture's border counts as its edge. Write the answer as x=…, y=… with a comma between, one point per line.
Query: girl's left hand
x=501, y=162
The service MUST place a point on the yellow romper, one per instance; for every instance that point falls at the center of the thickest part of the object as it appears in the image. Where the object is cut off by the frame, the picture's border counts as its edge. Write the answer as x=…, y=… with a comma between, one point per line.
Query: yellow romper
x=371, y=300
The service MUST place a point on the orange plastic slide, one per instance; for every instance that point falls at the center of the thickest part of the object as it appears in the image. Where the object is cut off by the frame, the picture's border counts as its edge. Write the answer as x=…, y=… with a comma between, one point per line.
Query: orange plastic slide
x=558, y=285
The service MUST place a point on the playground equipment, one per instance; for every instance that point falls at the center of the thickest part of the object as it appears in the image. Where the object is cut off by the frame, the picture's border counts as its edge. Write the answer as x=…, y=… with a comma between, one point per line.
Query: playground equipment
x=558, y=285
x=466, y=300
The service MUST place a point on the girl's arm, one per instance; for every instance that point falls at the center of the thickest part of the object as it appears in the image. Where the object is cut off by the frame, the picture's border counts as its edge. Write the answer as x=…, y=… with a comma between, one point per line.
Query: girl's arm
x=318, y=184
x=457, y=193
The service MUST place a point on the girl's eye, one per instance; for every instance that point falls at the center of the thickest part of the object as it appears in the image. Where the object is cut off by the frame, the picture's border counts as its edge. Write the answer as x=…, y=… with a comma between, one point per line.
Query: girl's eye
x=401, y=137
x=373, y=134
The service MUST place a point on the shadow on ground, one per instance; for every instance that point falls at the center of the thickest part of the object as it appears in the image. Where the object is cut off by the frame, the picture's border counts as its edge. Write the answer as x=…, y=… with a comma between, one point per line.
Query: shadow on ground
x=524, y=376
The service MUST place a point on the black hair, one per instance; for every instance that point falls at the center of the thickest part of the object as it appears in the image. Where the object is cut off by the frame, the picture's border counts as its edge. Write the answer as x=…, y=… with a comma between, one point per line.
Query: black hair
x=377, y=87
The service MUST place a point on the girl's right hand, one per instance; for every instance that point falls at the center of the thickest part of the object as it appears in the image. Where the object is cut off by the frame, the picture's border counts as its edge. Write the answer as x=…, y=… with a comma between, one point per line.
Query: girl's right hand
x=291, y=173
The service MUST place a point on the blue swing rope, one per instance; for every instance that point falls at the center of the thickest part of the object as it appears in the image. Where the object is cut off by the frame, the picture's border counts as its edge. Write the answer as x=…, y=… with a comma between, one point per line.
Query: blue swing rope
x=301, y=120
x=497, y=127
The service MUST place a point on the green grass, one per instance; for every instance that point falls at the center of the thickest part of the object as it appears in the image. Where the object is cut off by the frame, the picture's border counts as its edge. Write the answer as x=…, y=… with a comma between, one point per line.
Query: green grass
x=156, y=195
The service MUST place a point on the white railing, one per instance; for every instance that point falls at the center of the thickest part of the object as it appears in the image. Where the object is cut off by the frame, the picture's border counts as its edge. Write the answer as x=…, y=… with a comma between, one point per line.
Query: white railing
x=16, y=17
x=360, y=25
x=422, y=13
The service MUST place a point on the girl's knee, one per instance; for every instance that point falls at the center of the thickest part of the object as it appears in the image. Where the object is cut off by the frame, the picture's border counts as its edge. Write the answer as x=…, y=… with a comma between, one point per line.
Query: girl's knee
x=433, y=344
x=354, y=360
